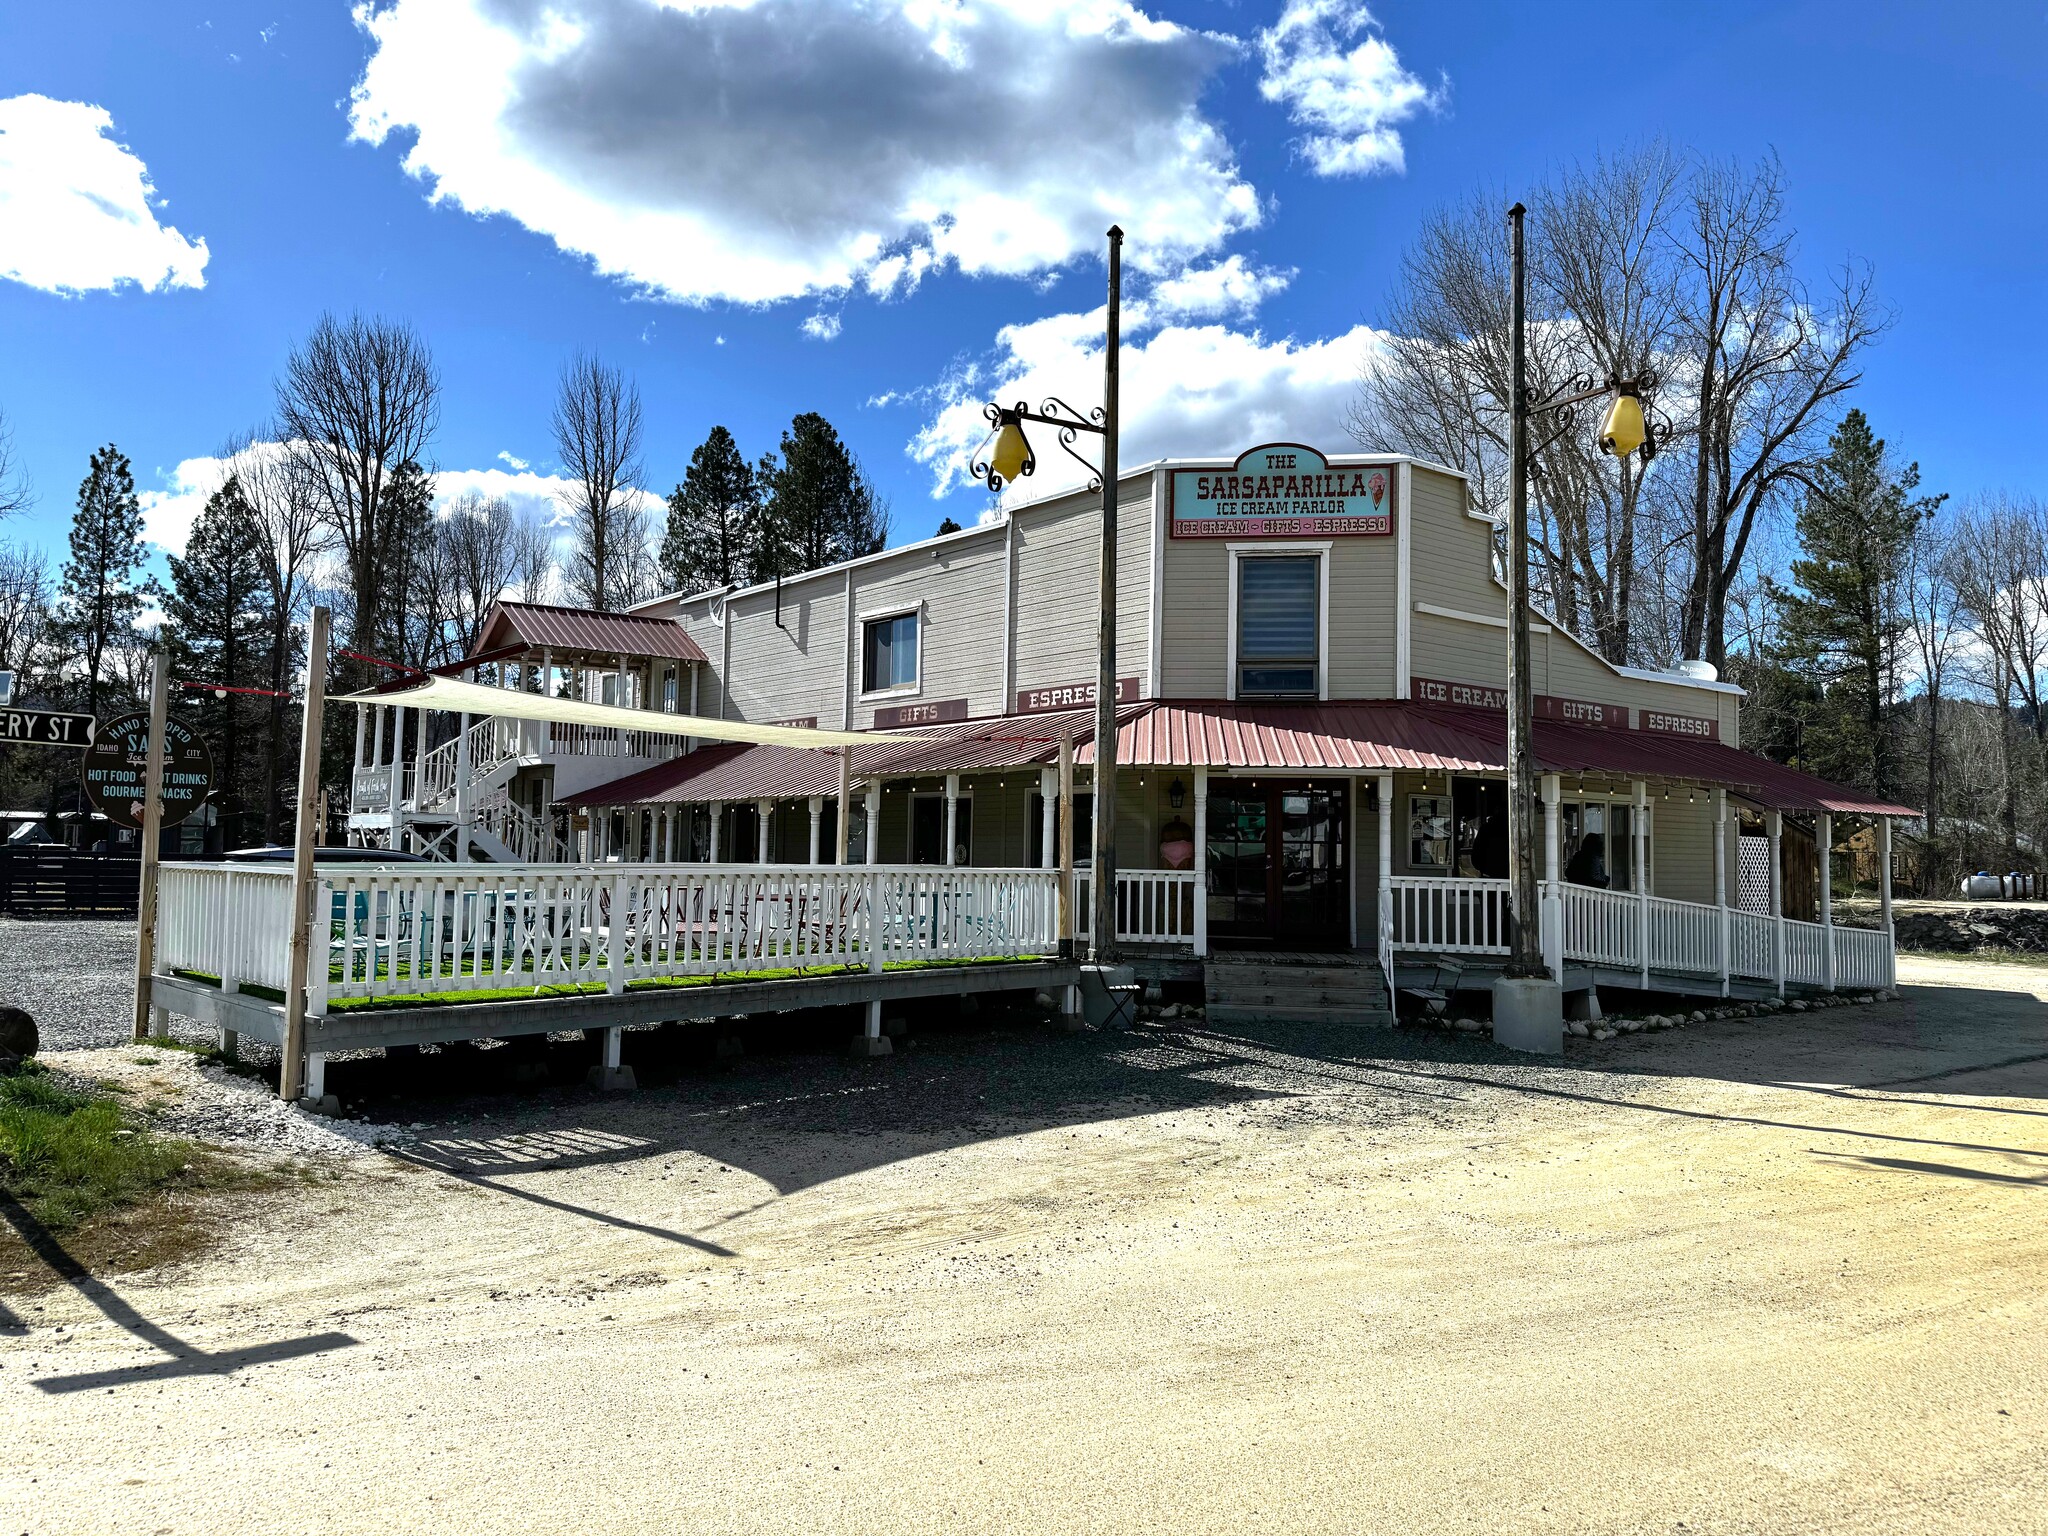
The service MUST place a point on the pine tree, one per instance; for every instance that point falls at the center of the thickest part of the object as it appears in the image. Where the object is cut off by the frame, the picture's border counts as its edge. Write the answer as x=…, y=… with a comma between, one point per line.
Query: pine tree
x=711, y=519
x=100, y=595
x=819, y=507
x=1842, y=621
x=217, y=630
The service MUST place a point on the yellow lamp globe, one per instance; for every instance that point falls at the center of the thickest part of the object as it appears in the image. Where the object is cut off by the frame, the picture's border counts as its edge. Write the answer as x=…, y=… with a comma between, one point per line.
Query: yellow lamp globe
x=1012, y=451
x=1621, y=434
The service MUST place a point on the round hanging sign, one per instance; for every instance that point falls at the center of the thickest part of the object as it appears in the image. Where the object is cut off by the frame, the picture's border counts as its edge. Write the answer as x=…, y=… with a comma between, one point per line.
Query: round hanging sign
x=117, y=767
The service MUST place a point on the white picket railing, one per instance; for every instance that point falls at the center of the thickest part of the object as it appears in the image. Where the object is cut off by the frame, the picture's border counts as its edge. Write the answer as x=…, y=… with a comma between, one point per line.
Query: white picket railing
x=1685, y=936
x=1470, y=916
x=1752, y=945
x=1601, y=927
x=570, y=740
x=1805, y=956
x=532, y=839
x=1153, y=906
x=230, y=921
x=1863, y=958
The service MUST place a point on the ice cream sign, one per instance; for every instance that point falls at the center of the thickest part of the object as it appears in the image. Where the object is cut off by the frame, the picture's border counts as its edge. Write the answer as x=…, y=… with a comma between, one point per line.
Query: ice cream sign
x=1283, y=490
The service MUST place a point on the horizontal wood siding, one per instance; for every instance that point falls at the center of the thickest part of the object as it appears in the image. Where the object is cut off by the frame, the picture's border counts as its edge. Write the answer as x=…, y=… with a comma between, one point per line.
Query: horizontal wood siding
x=1364, y=608
x=1449, y=551
x=1058, y=572
x=791, y=671
x=1194, y=640
x=1682, y=847
x=960, y=643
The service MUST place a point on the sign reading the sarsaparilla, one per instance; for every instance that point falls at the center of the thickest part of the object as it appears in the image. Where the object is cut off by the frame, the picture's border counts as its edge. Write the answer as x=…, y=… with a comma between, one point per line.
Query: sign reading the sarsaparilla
x=1283, y=490
x=117, y=767
x=45, y=727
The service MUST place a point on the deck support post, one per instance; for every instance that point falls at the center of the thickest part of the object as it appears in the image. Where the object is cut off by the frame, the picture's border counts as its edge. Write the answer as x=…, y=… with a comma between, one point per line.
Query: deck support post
x=1641, y=876
x=609, y=1075
x=1777, y=826
x=1386, y=903
x=717, y=815
x=871, y=1041
x=843, y=823
x=1826, y=840
x=1884, y=901
x=463, y=810
x=1721, y=882
x=952, y=816
x=398, y=778
x=1552, y=904
x=817, y=809
x=295, y=1063
x=1201, y=863
x=763, y=809
x=873, y=851
x=1048, y=819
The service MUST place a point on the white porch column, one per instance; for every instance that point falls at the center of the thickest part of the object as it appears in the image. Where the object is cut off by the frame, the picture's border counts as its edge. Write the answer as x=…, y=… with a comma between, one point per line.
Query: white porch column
x=360, y=713
x=1551, y=907
x=763, y=809
x=1386, y=923
x=1049, y=816
x=717, y=815
x=874, y=807
x=1636, y=828
x=1884, y=900
x=1721, y=879
x=1201, y=862
x=1777, y=825
x=1827, y=899
x=952, y=815
x=817, y=823
x=462, y=805
x=398, y=778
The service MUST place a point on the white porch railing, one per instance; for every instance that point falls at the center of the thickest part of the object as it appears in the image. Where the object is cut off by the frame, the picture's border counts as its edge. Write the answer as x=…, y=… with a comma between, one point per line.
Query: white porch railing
x=1805, y=954
x=1469, y=916
x=1153, y=906
x=570, y=740
x=437, y=777
x=409, y=930
x=1752, y=945
x=1863, y=959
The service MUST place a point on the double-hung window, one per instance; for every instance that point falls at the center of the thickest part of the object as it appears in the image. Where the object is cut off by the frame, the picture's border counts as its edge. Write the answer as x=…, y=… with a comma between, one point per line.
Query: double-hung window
x=888, y=660
x=1279, y=622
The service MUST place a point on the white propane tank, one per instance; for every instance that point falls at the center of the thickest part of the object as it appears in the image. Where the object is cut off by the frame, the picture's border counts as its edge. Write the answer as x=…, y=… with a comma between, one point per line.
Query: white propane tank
x=1699, y=671
x=1981, y=887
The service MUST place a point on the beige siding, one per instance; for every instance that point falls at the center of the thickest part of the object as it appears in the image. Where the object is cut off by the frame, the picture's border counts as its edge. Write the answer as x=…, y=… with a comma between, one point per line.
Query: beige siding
x=1058, y=570
x=960, y=642
x=1682, y=847
x=1450, y=552
x=1364, y=611
x=1194, y=640
x=789, y=671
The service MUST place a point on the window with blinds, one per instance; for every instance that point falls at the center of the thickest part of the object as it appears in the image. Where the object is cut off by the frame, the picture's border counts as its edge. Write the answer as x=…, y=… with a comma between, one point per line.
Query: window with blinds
x=1278, y=646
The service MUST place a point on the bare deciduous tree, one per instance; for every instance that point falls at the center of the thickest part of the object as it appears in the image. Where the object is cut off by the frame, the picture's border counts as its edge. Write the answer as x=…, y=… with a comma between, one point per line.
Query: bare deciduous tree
x=16, y=494
x=358, y=398
x=480, y=536
x=597, y=435
x=533, y=558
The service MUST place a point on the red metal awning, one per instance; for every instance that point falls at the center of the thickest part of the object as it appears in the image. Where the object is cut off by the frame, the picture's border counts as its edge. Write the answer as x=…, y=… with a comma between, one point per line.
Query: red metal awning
x=583, y=631
x=1370, y=737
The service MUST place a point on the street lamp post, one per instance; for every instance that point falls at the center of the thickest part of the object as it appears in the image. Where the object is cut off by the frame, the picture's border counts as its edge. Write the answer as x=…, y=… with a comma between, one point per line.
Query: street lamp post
x=1011, y=459
x=1527, y=999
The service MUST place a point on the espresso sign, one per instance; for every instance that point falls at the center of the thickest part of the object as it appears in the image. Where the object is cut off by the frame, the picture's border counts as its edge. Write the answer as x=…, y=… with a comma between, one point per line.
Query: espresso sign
x=1695, y=726
x=1037, y=701
x=117, y=767
x=1283, y=490
x=801, y=722
x=1432, y=690
x=938, y=712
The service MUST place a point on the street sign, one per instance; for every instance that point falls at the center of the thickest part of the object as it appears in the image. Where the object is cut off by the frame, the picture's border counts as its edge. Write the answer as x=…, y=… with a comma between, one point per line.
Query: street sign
x=45, y=727
x=117, y=765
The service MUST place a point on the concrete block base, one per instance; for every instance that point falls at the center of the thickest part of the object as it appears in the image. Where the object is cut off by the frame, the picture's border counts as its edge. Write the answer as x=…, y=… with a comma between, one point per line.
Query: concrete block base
x=895, y=1027
x=871, y=1045
x=326, y=1104
x=1528, y=1014
x=1109, y=996
x=611, y=1079
x=1583, y=1005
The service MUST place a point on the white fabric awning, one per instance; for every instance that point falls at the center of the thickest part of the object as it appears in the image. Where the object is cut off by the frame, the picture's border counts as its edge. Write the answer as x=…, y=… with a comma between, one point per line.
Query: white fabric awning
x=471, y=698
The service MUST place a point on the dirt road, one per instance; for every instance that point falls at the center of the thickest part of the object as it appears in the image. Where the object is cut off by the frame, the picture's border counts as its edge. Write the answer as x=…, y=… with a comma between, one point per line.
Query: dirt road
x=1767, y=1275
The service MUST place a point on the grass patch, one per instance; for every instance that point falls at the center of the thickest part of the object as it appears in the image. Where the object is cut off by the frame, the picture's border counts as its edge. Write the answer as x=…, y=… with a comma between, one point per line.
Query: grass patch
x=67, y=1155
x=2031, y=958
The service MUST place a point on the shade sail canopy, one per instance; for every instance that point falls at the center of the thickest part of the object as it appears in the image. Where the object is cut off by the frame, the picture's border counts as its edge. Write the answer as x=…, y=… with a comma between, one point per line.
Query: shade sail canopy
x=470, y=698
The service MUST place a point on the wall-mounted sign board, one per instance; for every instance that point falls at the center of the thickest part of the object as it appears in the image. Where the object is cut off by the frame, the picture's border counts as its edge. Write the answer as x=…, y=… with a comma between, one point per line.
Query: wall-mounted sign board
x=116, y=767
x=1038, y=701
x=892, y=717
x=45, y=727
x=1283, y=491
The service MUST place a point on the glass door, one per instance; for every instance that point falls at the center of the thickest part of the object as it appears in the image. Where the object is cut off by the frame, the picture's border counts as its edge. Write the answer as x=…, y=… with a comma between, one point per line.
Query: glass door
x=1277, y=863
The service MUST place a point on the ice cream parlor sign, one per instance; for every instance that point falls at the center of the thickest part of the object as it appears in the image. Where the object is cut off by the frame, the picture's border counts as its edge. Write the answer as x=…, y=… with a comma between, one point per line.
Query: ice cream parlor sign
x=1283, y=490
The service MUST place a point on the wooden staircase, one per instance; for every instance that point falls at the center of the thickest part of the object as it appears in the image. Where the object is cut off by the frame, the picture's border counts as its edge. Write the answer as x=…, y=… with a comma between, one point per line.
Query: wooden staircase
x=1255, y=987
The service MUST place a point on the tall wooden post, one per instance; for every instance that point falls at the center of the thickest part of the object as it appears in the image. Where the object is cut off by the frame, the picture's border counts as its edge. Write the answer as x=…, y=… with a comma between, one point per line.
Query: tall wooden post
x=291, y=1073
x=152, y=835
x=843, y=830
x=1066, y=891
x=1103, y=882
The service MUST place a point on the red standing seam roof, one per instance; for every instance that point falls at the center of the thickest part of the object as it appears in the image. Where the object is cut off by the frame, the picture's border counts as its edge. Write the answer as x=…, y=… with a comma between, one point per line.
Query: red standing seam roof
x=1370, y=737
x=580, y=629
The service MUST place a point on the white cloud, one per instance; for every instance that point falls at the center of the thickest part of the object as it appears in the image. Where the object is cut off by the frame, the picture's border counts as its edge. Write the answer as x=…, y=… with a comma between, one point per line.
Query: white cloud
x=1224, y=288
x=1350, y=99
x=822, y=327
x=1186, y=390
x=168, y=514
x=77, y=208
x=507, y=457
x=764, y=149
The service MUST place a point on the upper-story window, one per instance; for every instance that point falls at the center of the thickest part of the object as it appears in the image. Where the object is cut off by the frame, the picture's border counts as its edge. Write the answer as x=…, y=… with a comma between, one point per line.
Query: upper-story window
x=888, y=654
x=1279, y=639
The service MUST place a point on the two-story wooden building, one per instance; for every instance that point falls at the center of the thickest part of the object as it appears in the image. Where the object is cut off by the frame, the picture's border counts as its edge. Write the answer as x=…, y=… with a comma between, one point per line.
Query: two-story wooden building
x=1311, y=658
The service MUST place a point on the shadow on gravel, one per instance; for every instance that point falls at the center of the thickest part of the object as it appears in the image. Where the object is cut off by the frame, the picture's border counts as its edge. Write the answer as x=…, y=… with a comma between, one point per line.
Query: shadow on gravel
x=183, y=1359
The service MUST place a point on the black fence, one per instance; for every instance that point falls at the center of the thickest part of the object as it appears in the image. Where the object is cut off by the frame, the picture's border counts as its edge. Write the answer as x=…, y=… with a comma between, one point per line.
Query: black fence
x=55, y=882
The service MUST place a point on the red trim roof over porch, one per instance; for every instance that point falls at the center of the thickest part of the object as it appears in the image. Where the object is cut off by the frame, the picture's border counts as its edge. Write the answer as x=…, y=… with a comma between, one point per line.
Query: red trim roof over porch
x=584, y=631
x=1368, y=737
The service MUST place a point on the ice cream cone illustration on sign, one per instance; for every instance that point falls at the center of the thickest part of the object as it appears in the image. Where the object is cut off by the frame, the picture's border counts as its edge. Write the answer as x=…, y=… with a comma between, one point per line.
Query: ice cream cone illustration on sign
x=1377, y=485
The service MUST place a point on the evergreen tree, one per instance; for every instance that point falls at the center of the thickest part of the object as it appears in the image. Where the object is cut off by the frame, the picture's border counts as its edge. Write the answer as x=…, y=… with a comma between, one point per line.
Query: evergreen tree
x=217, y=629
x=100, y=595
x=1842, y=621
x=711, y=519
x=819, y=507
x=947, y=525
x=414, y=602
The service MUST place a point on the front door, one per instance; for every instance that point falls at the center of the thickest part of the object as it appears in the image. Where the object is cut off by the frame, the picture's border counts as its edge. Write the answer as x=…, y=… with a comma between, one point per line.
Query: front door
x=1277, y=863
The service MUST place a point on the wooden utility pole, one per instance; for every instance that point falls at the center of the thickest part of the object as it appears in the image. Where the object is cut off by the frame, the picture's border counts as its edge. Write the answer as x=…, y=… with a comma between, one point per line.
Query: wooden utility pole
x=1102, y=894
x=152, y=834
x=1066, y=891
x=1526, y=957
x=291, y=1077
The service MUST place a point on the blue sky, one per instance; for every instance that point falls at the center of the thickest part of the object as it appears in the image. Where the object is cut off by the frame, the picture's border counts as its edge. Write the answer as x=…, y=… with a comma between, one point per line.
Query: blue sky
x=1909, y=140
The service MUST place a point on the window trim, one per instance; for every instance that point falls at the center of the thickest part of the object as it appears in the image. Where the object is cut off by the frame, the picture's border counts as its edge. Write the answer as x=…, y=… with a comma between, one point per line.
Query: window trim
x=1323, y=550
x=867, y=617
